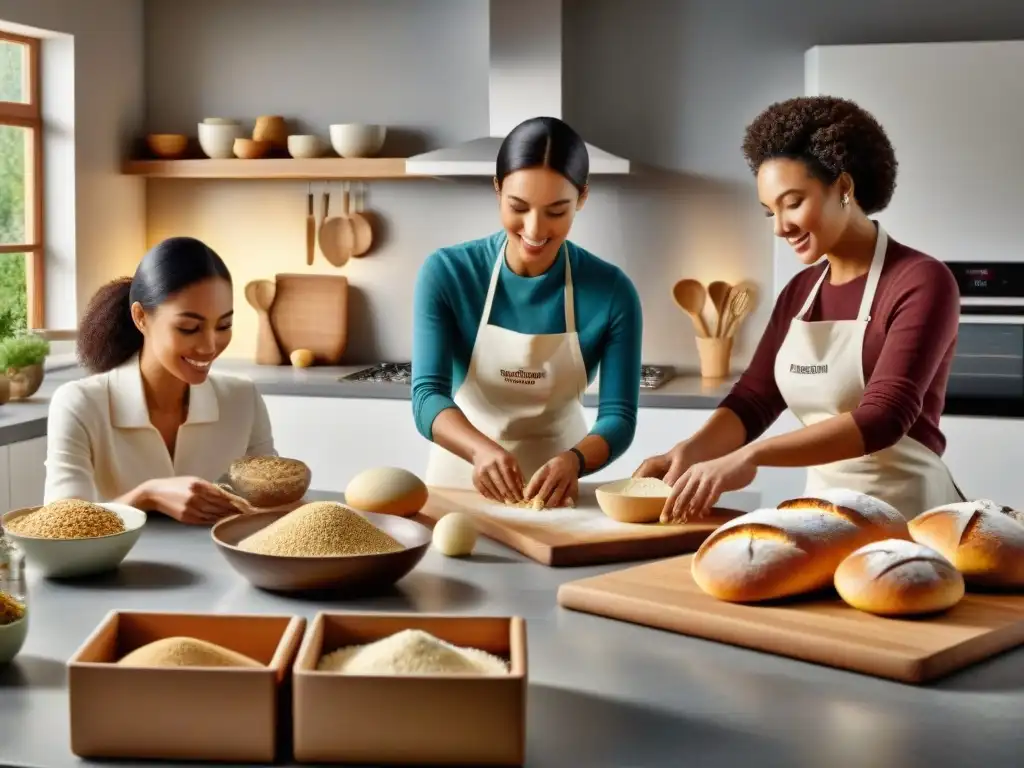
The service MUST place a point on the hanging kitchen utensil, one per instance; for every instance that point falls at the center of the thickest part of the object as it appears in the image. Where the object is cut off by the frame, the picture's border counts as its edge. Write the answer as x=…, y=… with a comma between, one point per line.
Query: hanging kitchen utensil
x=361, y=226
x=691, y=296
x=718, y=292
x=336, y=236
x=310, y=228
x=261, y=294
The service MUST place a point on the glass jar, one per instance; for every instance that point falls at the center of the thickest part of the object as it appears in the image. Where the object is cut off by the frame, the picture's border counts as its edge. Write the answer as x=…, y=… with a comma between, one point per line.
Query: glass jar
x=13, y=597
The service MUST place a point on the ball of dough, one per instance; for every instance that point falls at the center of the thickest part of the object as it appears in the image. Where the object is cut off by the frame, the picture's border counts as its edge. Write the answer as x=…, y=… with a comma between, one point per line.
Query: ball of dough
x=455, y=535
x=301, y=358
x=386, y=490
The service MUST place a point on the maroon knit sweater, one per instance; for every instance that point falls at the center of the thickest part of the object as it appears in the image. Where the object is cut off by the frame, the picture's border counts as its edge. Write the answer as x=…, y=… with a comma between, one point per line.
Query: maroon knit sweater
x=908, y=349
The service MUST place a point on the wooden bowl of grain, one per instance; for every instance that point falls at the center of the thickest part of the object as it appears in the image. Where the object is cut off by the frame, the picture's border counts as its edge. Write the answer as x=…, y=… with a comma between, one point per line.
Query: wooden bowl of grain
x=70, y=538
x=321, y=547
x=269, y=481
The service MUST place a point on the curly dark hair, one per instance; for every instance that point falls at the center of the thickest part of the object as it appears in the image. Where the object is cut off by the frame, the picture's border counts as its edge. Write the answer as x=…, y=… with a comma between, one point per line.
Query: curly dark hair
x=831, y=135
x=107, y=335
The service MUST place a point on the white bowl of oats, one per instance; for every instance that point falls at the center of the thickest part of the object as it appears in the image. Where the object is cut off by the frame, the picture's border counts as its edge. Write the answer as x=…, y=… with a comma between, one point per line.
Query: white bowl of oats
x=70, y=537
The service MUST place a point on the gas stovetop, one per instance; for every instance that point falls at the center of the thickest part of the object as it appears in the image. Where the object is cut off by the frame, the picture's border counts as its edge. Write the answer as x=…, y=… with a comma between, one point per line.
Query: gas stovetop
x=383, y=373
x=651, y=376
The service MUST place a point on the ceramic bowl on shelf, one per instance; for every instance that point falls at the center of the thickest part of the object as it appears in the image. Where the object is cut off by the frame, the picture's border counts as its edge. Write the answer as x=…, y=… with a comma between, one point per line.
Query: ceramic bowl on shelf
x=357, y=139
x=250, y=149
x=353, y=574
x=217, y=140
x=67, y=558
x=305, y=145
x=167, y=145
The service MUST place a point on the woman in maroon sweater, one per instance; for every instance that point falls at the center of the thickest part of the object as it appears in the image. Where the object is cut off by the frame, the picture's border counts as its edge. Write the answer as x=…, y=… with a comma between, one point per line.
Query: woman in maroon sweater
x=858, y=347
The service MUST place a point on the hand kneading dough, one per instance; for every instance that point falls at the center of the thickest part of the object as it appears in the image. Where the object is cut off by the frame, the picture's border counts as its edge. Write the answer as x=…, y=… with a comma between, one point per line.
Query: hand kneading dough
x=387, y=490
x=455, y=535
x=773, y=553
x=983, y=540
x=897, y=577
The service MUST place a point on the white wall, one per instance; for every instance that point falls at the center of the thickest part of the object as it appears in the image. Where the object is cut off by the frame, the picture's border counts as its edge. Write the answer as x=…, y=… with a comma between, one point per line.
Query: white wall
x=93, y=100
x=954, y=114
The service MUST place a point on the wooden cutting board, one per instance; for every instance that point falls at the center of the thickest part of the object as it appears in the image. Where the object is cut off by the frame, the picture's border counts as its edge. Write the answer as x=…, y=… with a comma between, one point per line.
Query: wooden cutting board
x=823, y=630
x=580, y=536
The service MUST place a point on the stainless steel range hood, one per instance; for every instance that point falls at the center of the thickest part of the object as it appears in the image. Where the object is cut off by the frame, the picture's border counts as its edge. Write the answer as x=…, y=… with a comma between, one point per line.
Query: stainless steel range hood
x=525, y=81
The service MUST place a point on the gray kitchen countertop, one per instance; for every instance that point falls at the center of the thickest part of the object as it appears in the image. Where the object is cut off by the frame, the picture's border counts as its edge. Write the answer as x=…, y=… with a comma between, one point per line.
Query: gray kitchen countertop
x=602, y=693
x=26, y=419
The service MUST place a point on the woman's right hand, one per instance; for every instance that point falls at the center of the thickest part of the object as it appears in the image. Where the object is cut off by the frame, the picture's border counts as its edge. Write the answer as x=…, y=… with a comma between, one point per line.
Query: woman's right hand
x=192, y=500
x=669, y=466
x=496, y=474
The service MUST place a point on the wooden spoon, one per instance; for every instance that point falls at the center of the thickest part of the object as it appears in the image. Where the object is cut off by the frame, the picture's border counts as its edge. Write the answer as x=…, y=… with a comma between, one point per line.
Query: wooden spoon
x=337, y=237
x=718, y=292
x=691, y=297
x=360, y=224
x=260, y=294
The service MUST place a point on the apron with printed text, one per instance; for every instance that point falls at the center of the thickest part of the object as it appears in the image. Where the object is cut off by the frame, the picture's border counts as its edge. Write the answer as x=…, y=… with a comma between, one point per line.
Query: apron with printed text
x=820, y=374
x=524, y=391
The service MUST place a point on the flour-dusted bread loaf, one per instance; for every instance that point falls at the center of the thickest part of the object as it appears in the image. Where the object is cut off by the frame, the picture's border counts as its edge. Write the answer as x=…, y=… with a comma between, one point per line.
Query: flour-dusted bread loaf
x=793, y=549
x=387, y=490
x=269, y=481
x=982, y=539
x=896, y=577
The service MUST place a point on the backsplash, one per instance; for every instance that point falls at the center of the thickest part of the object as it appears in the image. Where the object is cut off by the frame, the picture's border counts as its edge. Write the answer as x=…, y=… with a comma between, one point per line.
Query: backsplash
x=324, y=61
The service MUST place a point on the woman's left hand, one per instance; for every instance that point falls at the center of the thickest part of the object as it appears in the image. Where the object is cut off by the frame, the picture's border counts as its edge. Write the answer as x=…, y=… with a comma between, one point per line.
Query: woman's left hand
x=556, y=482
x=702, y=484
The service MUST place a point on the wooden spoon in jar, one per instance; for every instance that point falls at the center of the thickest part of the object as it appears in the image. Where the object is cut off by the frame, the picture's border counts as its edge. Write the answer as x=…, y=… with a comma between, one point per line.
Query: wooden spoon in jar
x=718, y=292
x=691, y=297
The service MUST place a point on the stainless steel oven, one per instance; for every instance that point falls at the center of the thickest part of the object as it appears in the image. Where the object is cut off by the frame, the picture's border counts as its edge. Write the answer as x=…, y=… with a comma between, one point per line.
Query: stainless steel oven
x=987, y=375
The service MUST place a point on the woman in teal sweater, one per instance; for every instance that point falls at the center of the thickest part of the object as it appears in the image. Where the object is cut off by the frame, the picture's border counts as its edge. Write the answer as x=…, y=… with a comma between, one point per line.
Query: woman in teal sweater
x=510, y=329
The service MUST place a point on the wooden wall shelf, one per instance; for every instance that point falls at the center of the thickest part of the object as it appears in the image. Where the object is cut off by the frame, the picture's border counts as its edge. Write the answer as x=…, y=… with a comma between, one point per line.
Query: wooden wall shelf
x=321, y=168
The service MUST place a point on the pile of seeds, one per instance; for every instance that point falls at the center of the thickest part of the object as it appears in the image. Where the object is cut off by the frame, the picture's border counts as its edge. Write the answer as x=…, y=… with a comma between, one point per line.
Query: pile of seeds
x=411, y=652
x=67, y=519
x=320, y=529
x=11, y=609
x=267, y=481
x=185, y=652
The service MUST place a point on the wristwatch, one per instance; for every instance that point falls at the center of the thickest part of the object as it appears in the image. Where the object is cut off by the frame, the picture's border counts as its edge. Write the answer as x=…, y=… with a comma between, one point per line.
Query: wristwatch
x=582, y=460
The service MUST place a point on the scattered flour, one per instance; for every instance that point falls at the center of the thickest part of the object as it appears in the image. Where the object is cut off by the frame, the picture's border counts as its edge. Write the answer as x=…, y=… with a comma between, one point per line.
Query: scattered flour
x=907, y=561
x=411, y=652
x=873, y=509
x=991, y=520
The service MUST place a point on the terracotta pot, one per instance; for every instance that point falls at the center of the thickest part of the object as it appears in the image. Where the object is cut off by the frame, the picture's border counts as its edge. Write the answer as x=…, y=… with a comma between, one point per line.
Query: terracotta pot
x=272, y=128
x=5, y=389
x=26, y=381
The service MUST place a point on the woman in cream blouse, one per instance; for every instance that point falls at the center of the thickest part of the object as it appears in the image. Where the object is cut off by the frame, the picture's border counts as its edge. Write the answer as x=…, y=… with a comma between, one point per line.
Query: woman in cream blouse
x=152, y=427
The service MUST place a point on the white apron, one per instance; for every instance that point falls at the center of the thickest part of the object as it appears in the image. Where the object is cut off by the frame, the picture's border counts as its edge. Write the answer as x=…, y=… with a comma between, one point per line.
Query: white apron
x=524, y=391
x=819, y=372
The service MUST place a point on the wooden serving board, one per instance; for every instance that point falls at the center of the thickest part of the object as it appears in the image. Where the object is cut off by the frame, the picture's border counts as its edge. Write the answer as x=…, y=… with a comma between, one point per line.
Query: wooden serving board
x=580, y=536
x=823, y=630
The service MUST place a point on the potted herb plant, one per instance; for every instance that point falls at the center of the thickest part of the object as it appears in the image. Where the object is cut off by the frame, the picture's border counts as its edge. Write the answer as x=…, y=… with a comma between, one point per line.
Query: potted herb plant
x=22, y=358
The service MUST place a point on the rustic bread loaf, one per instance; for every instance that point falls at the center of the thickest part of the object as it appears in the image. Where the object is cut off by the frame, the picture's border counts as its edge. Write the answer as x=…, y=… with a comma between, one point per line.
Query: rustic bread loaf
x=896, y=577
x=982, y=539
x=269, y=481
x=793, y=549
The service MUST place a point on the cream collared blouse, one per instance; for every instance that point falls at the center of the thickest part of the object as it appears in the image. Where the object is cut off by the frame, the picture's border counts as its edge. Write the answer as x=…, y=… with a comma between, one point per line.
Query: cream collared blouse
x=101, y=443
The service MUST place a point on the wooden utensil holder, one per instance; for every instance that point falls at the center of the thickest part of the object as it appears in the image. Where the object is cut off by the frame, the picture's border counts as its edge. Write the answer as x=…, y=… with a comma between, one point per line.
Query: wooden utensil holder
x=715, y=356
